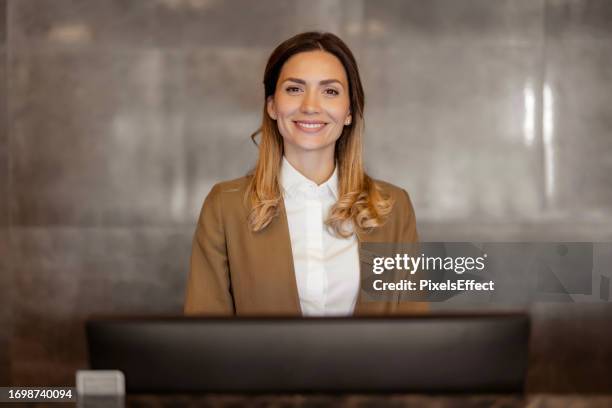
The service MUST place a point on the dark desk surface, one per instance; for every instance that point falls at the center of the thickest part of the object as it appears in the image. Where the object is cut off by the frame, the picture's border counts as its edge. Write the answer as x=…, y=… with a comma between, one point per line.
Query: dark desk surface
x=352, y=401
x=363, y=401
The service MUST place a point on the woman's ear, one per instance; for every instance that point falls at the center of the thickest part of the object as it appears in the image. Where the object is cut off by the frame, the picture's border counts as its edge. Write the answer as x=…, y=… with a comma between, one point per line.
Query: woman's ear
x=348, y=119
x=270, y=107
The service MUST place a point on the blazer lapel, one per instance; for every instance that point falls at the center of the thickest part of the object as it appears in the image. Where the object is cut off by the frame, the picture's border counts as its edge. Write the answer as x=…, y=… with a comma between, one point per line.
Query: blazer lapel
x=360, y=304
x=364, y=307
x=282, y=241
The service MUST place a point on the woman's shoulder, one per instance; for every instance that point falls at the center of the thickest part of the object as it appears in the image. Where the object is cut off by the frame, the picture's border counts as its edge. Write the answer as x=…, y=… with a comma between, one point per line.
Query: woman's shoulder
x=225, y=194
x=231, y=186
x=400, y=196
x=391, y=189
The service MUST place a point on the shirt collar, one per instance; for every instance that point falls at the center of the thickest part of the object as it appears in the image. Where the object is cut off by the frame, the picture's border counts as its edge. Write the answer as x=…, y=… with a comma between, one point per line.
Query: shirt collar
x=292, y=180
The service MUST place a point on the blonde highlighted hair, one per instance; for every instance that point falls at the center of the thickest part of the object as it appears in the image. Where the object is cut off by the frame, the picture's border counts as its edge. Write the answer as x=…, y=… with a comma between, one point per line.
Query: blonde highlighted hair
x=360, y=200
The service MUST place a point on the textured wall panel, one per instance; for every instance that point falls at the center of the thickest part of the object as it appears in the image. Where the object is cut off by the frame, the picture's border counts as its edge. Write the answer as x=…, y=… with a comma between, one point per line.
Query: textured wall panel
x=222, y=24
x=74, y=23
x=578, y=134
x=97, y=138
x=64, y=275
x=223, y=105
x=465, y=21
x=571, y=20
x=461, y=149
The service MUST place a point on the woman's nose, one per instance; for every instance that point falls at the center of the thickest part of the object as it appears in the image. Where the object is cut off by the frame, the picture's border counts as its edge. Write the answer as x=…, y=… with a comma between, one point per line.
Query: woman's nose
x=310, y=103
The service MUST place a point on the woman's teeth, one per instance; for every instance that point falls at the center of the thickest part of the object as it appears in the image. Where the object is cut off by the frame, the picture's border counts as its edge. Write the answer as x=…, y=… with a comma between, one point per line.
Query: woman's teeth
x=310, y=125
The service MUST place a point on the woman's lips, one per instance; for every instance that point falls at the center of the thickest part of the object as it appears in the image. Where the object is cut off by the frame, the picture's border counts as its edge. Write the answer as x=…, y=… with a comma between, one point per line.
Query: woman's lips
x=309, y=127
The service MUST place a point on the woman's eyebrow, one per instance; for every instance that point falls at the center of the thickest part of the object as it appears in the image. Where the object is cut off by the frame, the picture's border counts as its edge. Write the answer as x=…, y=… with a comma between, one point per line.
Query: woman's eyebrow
x=329, y=81
x=322, y=82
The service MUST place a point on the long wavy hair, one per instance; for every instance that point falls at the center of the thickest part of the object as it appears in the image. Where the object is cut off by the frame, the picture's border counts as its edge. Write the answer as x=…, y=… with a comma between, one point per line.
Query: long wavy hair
x=360, y=199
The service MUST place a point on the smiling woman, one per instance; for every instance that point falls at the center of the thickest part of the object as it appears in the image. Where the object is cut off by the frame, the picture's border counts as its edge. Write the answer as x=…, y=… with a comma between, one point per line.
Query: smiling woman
x=285, y=239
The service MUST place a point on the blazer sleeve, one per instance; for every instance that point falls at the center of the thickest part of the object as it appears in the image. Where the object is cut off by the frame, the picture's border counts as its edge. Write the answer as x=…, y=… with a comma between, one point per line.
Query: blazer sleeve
x=208, y=285
x=409, y=234
x=409, y=227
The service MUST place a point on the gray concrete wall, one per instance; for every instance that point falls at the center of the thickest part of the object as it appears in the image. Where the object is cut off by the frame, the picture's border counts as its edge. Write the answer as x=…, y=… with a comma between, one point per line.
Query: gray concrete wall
x=117, y=117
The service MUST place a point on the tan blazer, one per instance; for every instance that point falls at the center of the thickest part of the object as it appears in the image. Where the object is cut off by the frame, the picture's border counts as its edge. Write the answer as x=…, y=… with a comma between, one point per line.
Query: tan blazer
x=235, y=271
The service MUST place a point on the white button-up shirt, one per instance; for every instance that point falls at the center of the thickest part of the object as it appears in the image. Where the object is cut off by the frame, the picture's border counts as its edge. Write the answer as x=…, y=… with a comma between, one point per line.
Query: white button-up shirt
x=326, y=266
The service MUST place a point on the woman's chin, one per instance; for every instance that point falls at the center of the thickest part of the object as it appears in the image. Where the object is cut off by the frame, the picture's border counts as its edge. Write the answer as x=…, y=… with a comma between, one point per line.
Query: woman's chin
x=311, y=145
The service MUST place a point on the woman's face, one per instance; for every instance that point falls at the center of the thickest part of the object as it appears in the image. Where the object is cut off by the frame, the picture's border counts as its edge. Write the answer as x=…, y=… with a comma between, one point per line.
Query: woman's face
x=311, y=103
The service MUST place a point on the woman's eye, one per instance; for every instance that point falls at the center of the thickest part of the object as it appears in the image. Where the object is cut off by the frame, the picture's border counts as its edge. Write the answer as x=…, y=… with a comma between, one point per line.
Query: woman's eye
x=292, y=89
x=332, y=92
